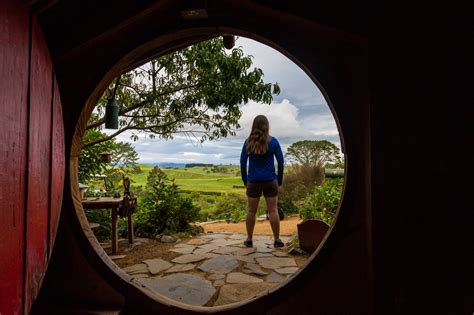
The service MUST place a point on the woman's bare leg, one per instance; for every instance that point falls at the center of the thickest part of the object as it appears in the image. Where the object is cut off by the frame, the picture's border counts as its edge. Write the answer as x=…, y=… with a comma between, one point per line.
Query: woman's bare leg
x=251, y=213
x=273, y=215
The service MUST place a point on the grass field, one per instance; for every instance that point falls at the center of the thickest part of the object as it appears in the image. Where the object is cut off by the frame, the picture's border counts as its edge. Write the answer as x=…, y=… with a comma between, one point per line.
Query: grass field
x=199, y=179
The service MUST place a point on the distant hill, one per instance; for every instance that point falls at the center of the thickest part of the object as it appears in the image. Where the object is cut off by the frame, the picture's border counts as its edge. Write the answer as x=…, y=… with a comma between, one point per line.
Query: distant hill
x=198, y=165
x=169, y=165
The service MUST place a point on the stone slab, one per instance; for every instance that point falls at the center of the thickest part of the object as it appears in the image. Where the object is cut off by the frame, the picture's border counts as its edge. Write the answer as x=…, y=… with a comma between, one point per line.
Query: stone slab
x=287, y=270
x=208, y=247
x=141, y=275
x=232, y=293
x=157, y=265
x=185, y=288
x=180, y=268
x=253, y=268
x=219, y=264
x=219, y=242
x=276, y=262
x=210, y=255
x=263, y=249
x=237, y=237
x=219, y=283
x=216, y=276
x=263, y=243
x=198, y=241
x=274, y=277
x=181, y=245
x=261, y=237
x=234, y=242
x=279, y=253
x=183, y=250
x=215, y=235
x=188, y=258
x=138, y=268
x=247, y=259
x=244, y=251
x=258, y=255
x=238, y=277
x=225, y=250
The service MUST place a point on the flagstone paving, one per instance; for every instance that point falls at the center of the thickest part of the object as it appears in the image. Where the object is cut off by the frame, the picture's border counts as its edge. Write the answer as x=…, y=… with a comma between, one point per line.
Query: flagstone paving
x=216, y=268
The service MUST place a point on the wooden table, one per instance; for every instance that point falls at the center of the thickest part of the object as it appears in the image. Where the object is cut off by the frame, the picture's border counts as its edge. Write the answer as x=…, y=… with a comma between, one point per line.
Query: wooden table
x=110, y=203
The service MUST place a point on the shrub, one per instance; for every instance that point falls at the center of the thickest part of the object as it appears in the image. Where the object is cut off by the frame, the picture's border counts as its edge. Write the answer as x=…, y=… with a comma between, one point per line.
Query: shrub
x=232, y=206
x=162, y=208
x=300, y=180
x=323, y=202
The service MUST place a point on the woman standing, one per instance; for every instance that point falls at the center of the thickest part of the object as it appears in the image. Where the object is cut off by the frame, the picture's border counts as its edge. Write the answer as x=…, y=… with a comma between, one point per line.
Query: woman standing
x=259, y=149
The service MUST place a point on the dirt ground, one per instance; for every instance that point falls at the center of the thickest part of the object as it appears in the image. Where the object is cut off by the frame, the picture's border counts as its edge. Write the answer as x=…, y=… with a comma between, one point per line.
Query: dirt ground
x=287, y=227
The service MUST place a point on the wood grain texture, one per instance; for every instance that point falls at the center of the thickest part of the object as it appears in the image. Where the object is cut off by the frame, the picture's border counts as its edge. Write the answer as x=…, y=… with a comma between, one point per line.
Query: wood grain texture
x=57, y=163
x=14, y=46
x=39, y=155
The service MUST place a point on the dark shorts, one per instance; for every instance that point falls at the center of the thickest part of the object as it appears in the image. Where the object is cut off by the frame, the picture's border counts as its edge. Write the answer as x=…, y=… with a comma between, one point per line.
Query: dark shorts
x=269, y=189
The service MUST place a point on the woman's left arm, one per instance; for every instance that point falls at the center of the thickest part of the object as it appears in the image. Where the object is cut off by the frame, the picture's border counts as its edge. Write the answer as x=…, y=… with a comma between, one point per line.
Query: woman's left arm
x=279, y=157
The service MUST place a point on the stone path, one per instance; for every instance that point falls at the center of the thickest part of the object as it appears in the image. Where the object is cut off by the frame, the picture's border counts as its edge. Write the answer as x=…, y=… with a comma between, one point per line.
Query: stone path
x=216, y=269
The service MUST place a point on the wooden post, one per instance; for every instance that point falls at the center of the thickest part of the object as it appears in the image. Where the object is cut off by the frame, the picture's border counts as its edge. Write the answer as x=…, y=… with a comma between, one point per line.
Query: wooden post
x=114, y=231
x=130, y=229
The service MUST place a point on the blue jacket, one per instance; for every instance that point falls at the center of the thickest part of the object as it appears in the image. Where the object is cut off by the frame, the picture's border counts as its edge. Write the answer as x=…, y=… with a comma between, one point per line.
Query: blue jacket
x=262, y=167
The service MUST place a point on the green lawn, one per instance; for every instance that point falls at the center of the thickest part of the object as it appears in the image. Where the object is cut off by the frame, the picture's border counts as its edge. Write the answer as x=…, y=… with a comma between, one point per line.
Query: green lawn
x=197, y=178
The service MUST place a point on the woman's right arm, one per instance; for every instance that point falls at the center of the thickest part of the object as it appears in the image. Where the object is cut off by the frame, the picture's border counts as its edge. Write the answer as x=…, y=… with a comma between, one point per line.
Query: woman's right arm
x=243, y=163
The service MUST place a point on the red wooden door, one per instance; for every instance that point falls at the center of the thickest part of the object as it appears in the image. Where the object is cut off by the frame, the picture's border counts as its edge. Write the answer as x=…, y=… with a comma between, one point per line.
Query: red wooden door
x=31, y=157
x=14, y=46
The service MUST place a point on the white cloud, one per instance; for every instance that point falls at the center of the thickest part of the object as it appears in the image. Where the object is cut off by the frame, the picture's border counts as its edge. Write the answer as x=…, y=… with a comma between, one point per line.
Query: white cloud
x=282, y=117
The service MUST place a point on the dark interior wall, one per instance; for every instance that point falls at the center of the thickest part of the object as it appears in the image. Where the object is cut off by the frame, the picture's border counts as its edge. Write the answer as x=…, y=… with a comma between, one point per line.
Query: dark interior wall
x=31, y=157
x=422, y=154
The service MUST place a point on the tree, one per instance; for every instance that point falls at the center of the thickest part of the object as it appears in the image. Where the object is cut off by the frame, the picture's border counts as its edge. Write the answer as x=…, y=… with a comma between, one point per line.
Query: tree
x=313, y=153
x=123, y=158
x=195, y=91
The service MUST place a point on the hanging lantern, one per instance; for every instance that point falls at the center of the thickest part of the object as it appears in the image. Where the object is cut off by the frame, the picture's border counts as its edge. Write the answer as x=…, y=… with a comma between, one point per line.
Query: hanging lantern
x=229, y=41
x=111, y=114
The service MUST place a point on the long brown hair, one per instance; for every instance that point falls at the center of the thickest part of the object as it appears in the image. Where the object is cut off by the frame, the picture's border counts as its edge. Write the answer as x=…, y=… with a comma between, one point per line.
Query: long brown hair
x=257, y=142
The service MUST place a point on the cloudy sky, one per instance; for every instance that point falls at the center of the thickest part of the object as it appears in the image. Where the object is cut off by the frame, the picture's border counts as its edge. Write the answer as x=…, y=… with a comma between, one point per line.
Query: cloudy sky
x=300, y=112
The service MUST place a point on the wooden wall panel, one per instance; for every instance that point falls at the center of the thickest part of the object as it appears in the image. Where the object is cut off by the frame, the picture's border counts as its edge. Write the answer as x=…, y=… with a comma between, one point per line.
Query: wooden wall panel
x=39, y=155
x=14, y=46
x=57, y=164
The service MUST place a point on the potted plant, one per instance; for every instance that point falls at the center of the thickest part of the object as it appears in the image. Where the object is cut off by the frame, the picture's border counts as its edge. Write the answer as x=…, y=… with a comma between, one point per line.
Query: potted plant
x=318, y=213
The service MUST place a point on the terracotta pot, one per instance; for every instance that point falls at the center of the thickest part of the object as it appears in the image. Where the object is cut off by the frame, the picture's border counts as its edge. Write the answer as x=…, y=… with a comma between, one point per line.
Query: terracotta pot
x=311, y=233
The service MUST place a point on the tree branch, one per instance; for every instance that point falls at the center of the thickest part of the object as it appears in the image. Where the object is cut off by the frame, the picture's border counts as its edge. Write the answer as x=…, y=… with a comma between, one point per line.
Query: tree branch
x=91, y=143
x=126, y=110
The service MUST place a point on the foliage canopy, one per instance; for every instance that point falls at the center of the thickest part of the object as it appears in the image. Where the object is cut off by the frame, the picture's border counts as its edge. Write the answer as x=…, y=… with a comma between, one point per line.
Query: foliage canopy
x=195, y=91
x=123, y=158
